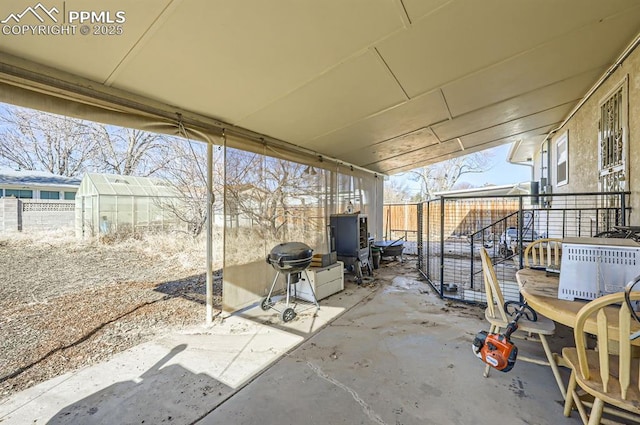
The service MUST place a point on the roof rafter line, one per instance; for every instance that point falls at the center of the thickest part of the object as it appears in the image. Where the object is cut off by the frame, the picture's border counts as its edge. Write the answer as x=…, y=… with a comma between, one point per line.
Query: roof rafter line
x=515, y=55
x=378, y=113
x=16, y=71
x=469, y=148
x=409, y=133
x=623, y=56
x=404, y=15
x=144, y=38
x=373, y=44
x=387, y=68
x=454, y=139
x=433, y=11
x=445, y=104
x=355, y=54
x=443, y=157
x=516, y=96
x=506, y=122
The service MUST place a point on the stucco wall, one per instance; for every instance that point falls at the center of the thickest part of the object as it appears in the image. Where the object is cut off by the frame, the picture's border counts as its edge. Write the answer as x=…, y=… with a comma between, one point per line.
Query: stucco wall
x=583, y=138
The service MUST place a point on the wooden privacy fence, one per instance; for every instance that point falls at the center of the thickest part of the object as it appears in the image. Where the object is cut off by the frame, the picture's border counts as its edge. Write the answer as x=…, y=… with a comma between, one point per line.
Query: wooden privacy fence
x=461, y=216
x=465, y=216
x=400, y=220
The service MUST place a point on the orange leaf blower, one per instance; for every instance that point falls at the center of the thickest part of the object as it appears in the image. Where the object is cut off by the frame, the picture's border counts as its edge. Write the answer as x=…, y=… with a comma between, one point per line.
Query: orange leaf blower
x=497, y=350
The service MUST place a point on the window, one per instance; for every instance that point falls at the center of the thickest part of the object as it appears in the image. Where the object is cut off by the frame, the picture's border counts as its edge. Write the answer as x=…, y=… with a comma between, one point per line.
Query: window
x=69, y=196
x=562, y=158
x=613, y=139
x=19, y=193
x=49, y=194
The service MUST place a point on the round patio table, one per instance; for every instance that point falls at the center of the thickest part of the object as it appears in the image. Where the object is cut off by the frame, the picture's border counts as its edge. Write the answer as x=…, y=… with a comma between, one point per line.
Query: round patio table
x=540, y=290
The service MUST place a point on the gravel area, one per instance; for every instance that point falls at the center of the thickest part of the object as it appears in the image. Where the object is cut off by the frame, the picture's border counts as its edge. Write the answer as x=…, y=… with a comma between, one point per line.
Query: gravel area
x=67, y=304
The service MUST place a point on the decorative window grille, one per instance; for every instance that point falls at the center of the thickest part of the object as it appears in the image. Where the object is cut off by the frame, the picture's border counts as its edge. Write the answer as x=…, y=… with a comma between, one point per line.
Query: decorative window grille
x=613, y=140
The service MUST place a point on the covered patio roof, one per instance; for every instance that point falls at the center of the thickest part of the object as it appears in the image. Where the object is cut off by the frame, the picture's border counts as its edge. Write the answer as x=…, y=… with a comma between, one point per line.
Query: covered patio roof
x=387, y=85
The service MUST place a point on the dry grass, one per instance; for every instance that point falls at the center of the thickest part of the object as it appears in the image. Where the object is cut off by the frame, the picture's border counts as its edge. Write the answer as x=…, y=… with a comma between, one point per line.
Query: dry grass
x=68, y=303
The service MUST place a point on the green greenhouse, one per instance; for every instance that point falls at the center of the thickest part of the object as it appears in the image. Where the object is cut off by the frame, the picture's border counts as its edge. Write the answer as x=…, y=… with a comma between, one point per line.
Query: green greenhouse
x=113, y=204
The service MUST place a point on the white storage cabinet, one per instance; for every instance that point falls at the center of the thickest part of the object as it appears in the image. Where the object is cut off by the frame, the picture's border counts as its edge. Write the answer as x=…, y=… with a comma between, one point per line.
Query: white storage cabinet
x=325, y=281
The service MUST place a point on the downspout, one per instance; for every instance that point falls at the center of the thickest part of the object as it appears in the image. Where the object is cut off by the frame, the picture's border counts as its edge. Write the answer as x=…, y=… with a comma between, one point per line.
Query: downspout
x=209, y=242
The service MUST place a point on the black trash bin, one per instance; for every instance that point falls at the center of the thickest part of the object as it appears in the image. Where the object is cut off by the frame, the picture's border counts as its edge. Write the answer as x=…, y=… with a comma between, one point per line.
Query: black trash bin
x=375, y=256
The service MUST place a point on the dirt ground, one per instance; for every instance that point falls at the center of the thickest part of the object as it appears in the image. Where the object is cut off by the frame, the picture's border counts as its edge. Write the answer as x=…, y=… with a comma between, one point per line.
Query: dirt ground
x=67, y=304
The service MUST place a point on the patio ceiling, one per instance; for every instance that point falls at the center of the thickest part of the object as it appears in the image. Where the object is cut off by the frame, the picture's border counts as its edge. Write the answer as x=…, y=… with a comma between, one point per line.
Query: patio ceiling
x=388, y=85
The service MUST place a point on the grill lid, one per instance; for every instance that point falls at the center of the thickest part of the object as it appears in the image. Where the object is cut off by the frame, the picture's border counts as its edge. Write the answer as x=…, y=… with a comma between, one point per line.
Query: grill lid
x=290, y=255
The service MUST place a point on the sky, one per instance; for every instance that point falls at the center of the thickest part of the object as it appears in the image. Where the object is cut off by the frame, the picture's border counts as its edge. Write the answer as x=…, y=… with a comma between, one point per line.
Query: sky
x=500, y=173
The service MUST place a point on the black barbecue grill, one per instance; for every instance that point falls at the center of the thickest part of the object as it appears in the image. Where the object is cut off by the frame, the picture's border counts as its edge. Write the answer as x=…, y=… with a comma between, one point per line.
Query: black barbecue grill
x=292, y=258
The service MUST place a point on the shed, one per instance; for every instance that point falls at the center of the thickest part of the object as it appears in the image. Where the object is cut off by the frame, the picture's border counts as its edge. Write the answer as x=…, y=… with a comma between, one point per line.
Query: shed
x=107, y=203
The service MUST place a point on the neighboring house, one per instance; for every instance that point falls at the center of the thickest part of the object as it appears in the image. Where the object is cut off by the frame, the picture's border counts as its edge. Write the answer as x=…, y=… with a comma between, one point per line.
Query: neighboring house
x=36, y=200
x=27, y=184
x=507, y=189
x=597, y=148
x=476, y=208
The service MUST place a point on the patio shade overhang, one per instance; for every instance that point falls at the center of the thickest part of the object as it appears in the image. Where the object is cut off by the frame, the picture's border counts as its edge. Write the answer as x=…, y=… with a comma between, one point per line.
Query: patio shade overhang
x=386, y=85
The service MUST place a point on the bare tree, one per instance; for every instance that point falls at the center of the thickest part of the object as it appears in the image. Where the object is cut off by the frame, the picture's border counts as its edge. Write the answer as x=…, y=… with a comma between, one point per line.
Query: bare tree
x=35, y=140
x=444, y=175
x=249, y=197
x=187, y=174
x=268, y=192
x=259, y=189
x=396, y=191
x=283, y=182
x=127, y=151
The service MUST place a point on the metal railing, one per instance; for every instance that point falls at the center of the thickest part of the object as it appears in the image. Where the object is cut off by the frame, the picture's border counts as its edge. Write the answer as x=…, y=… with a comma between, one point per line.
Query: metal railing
x=452, y=229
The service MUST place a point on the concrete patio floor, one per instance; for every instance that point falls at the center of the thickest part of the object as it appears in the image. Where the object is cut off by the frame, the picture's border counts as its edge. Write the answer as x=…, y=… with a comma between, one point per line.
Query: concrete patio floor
x=388, y=353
